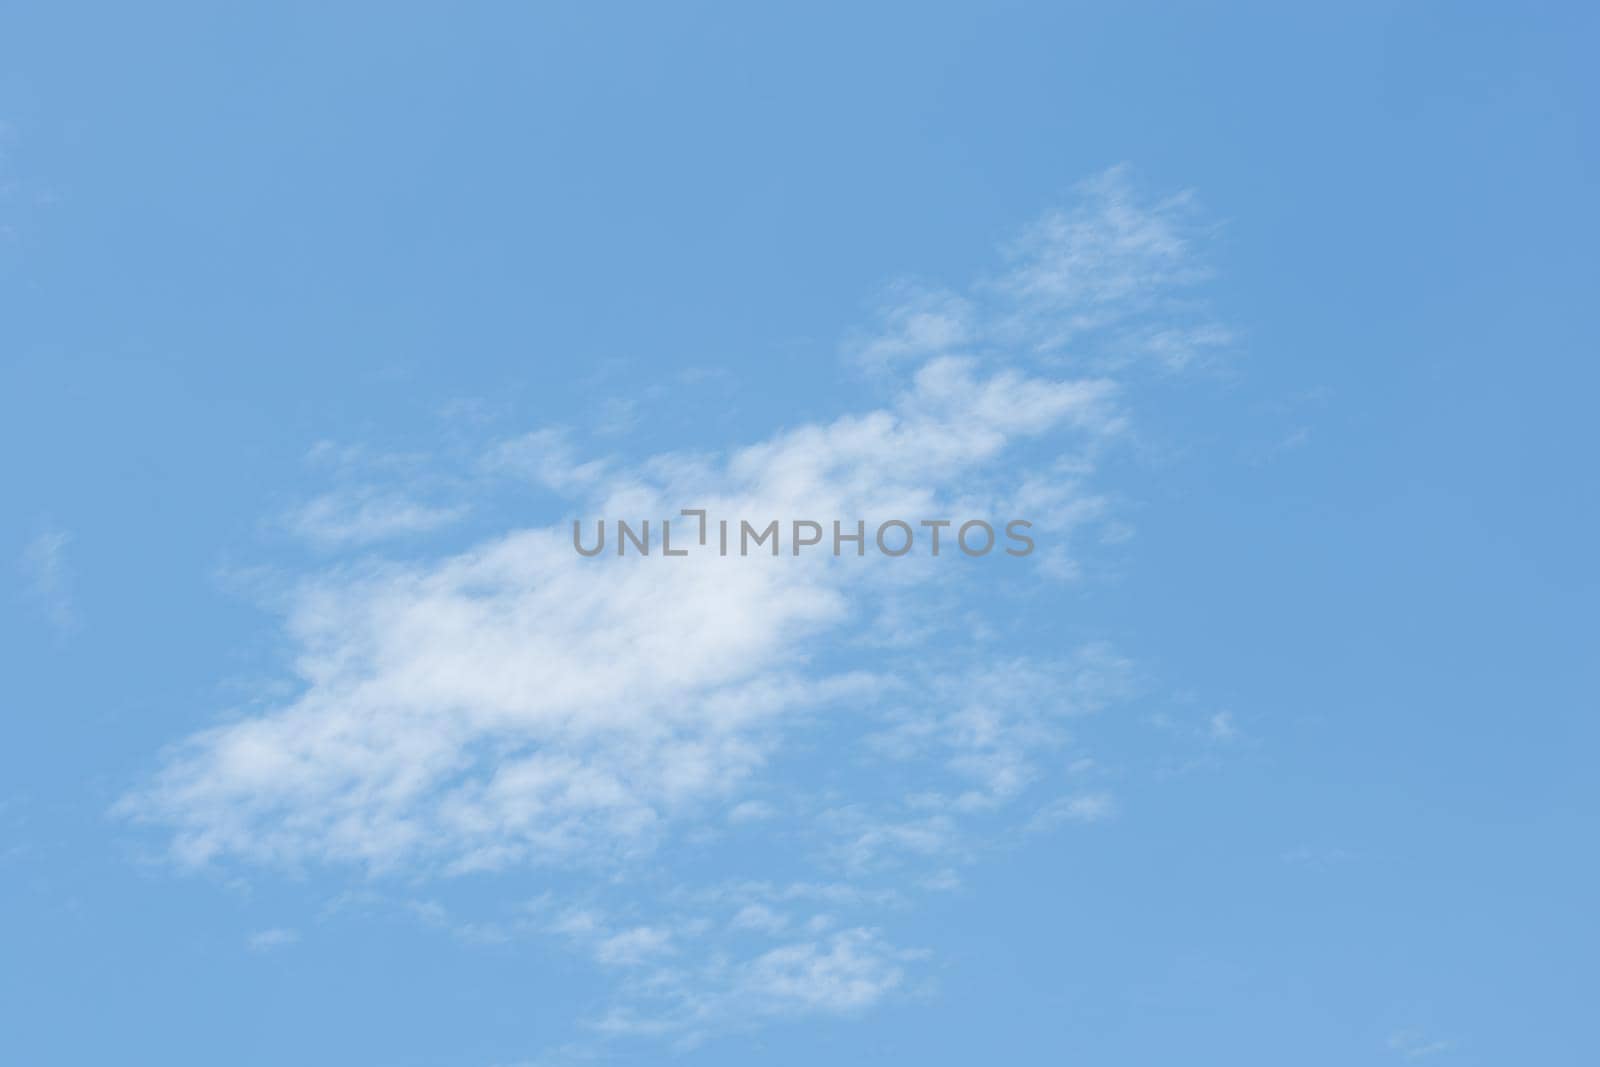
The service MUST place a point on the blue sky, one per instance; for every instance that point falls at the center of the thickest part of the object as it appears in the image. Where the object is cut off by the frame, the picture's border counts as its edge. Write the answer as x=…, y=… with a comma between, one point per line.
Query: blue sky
x=318, y=744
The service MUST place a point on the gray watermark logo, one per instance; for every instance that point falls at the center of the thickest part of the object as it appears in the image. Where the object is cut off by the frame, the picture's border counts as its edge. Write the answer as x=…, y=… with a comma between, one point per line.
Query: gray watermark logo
x=741, y=537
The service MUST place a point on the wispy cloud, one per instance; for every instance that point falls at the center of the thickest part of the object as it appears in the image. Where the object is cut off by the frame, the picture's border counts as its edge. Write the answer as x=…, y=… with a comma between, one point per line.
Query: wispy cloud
x=546, y=458
x=915, y=324
x=1082, y=808
x=837, y=972
x=1316, y=857
x=514, y=705
x=1414, y=1045
x=518, y=702
x=1107, y=281
x=47, y=578
x=365, y=517
x=270, y=940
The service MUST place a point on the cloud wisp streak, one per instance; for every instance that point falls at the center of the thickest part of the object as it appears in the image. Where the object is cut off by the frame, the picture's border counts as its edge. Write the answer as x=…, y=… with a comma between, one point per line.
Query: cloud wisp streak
x=47, y=579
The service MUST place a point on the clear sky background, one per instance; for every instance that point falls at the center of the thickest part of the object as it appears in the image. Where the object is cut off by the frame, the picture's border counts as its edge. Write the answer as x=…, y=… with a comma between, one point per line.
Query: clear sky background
x=317, y=746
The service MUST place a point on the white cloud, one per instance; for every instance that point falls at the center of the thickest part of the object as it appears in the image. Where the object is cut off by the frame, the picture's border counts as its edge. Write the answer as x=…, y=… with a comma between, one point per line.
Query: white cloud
x=842, y=972
x=513, y=704
x=759, y=917
x=1107, y=280
x=268, y=940
x=47, y=578
x=1316, y=857
x=634, y=946
x=1082, y=808
x=545, y=457
x=991, y=725
x=1414, y=1045
x=364, y=517
x=847, y=972
x=517, y=702
x=914, y=325
x=751, y=811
